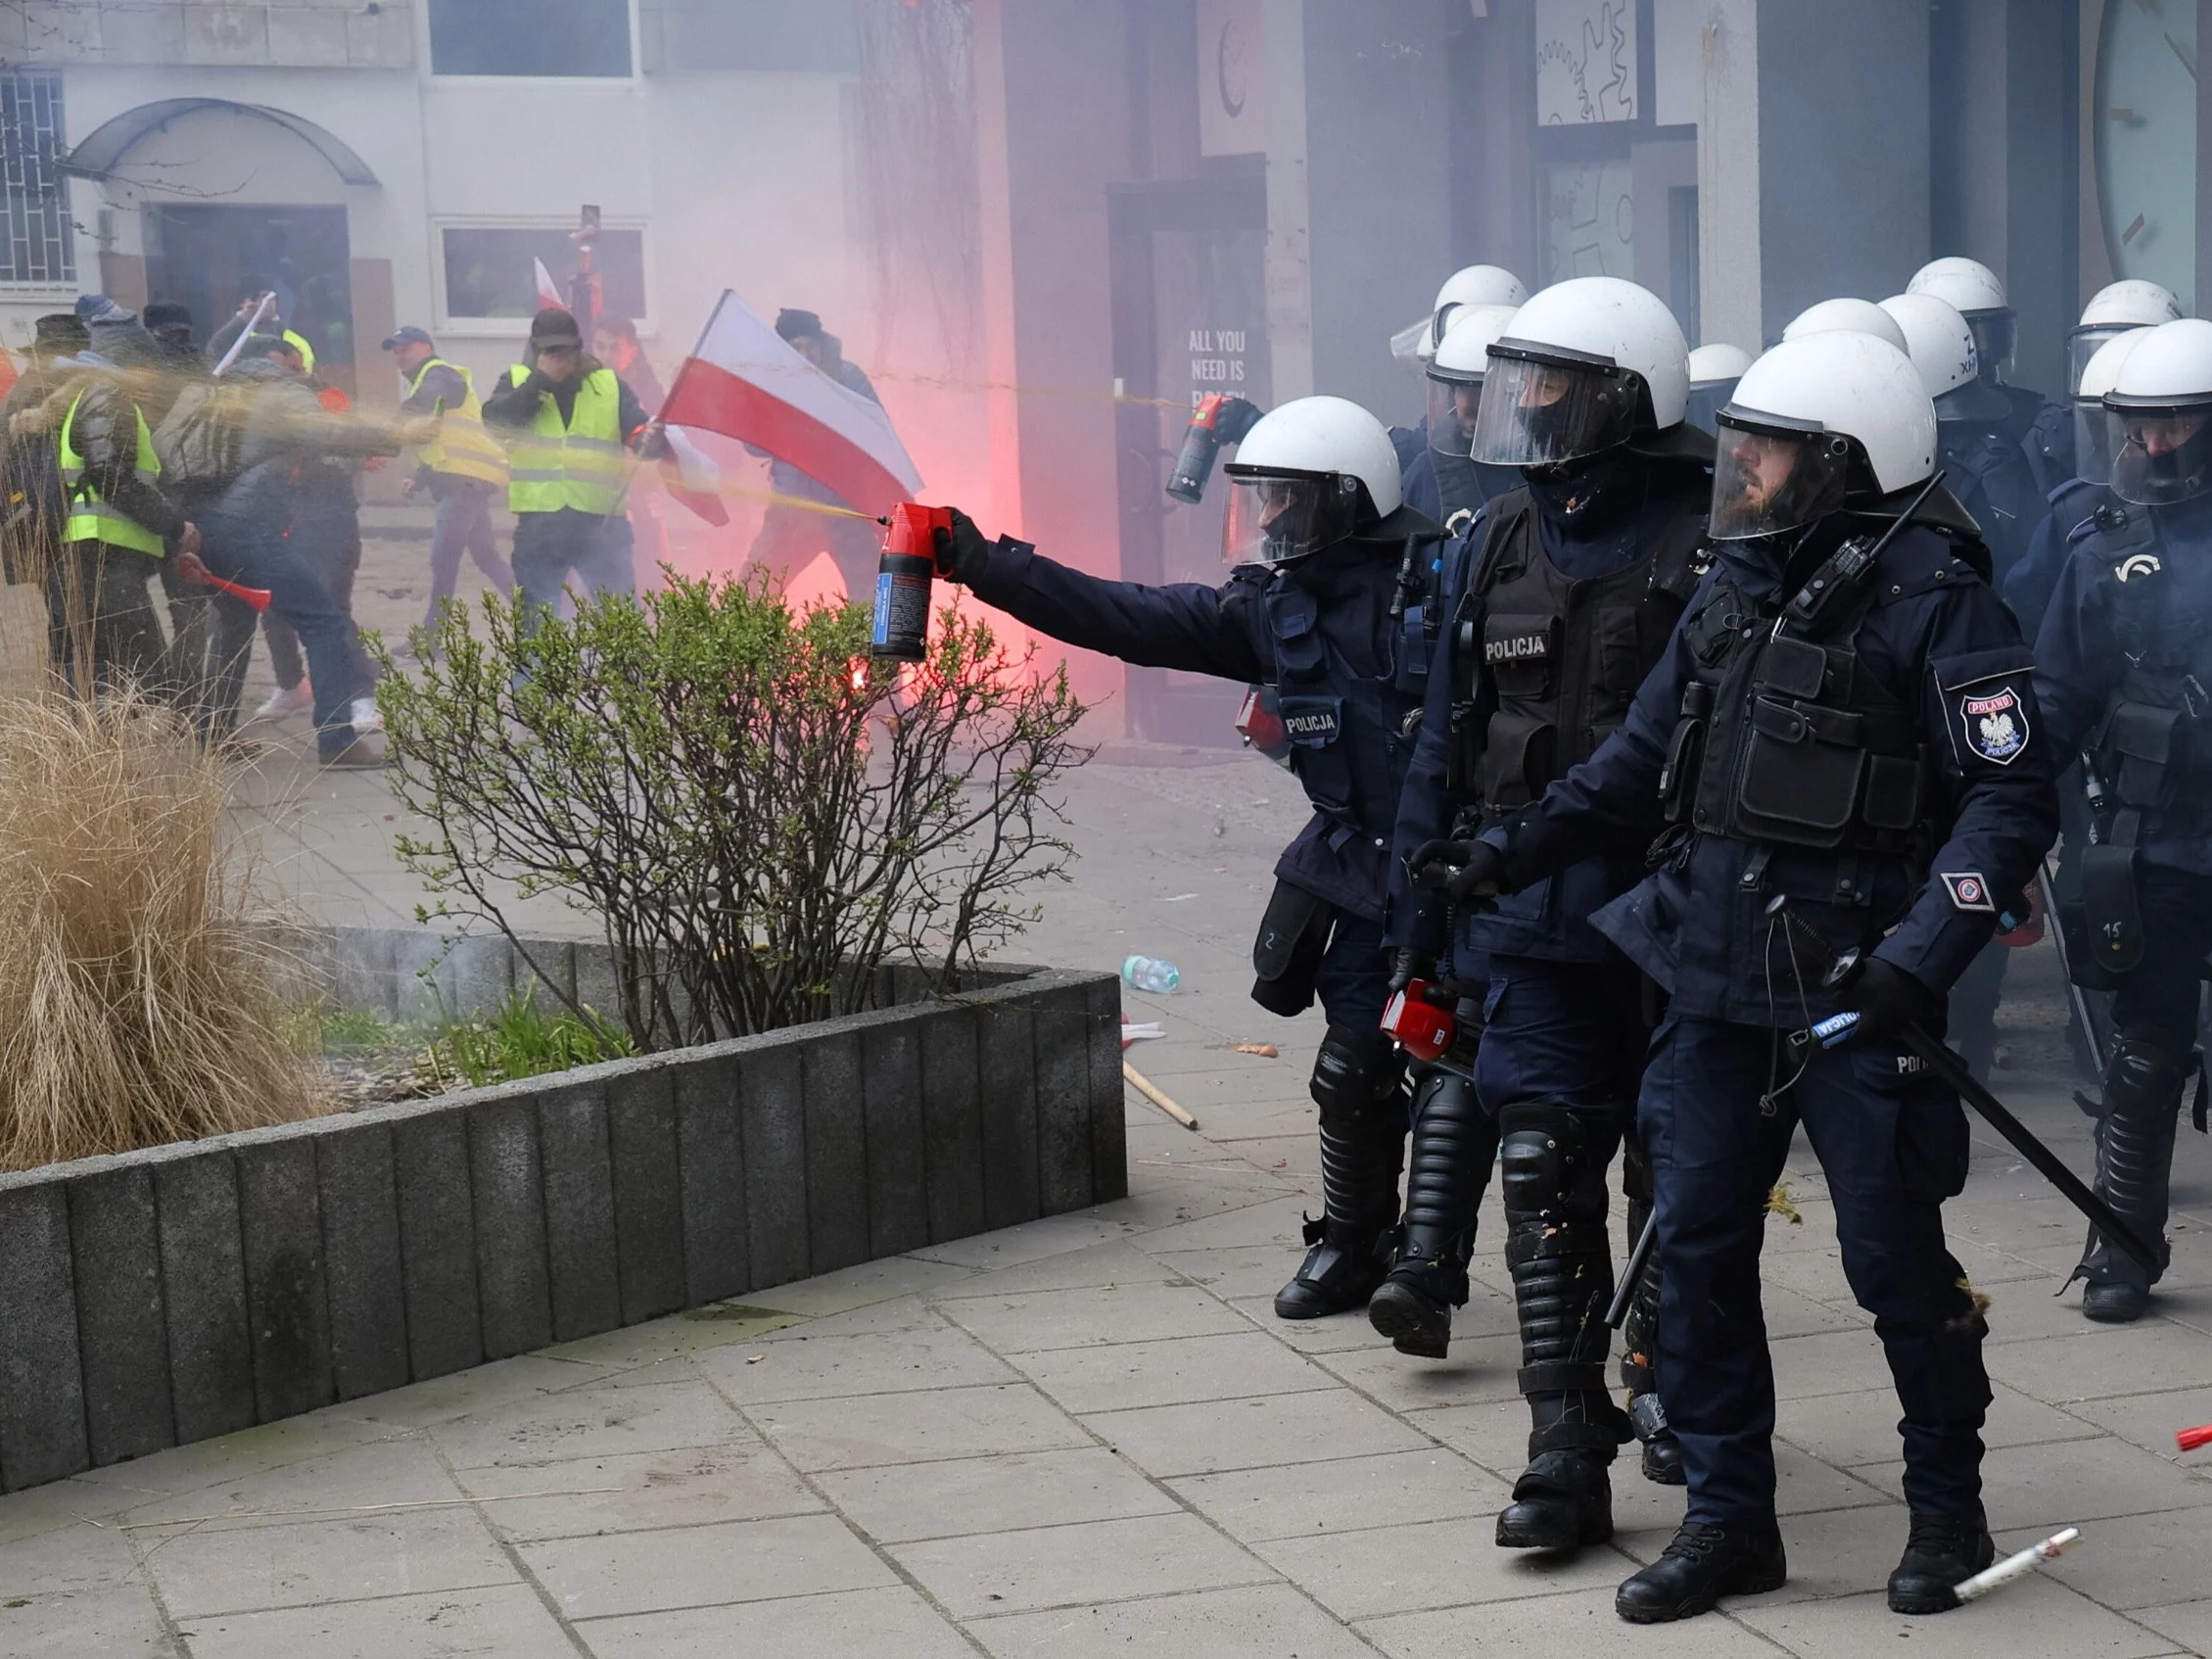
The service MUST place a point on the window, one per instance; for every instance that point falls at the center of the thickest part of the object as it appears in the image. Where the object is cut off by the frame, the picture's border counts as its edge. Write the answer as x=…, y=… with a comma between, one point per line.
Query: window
x=490, y=273
x=39, y=245
x=552, y=37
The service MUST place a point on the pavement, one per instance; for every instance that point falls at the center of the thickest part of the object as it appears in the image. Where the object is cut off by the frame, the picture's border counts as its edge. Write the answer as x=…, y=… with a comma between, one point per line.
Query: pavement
x=1091, y=1435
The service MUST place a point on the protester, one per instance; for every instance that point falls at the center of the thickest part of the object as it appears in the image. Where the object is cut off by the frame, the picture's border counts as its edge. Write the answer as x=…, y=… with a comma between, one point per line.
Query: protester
x=461, y=468
x=808, y=517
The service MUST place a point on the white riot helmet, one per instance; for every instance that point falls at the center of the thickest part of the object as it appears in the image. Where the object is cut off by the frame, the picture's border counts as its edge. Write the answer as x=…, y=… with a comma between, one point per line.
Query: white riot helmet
x=1470, y=285
x=2097, y=429
x=1974, y=289
x=1815, y=424
x=1859, y=316
x=1584, y=367
x=2162, y=396
x=1714, y=370
x=1940, y=342
x=2112, y=311
x=1308, y=474
x=1455, y=375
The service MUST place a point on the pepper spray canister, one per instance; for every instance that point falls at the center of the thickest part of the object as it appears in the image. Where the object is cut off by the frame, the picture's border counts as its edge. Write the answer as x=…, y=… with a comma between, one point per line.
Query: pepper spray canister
x=905, y=579
x=1219, y=418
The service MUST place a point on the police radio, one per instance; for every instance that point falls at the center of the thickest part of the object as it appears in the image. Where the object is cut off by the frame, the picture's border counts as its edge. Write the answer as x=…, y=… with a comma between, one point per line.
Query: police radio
x=1221, y=417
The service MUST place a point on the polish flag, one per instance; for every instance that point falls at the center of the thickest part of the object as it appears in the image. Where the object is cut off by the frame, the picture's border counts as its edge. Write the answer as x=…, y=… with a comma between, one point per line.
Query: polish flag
x=689, y=474
x=745, y=382
x=549, y=295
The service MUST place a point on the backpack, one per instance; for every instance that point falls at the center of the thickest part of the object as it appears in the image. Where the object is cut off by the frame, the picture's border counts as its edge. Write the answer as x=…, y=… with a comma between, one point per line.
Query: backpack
x=201, y=441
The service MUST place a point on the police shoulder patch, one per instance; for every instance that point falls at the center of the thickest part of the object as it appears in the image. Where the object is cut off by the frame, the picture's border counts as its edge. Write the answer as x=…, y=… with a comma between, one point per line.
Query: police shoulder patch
x=1968, y=891
x=1992, y=724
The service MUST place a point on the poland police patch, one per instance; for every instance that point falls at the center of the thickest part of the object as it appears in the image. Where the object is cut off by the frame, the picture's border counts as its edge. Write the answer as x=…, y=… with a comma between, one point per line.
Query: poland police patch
x=1968, y=891
x=1992, y=724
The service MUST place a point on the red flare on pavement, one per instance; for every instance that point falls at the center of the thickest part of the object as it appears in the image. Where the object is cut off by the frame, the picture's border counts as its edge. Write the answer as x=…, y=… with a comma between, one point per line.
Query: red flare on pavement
x=2189, y=1439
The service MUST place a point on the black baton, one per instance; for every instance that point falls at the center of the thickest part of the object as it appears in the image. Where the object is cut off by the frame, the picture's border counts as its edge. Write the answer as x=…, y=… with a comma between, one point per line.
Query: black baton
x=1952, y=1071
x=1639, y=1258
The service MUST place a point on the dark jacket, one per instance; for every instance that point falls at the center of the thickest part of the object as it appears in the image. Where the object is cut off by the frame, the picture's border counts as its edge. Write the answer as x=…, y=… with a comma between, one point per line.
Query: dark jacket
x=1936, y=639
x=105, y=432
x=288, y=433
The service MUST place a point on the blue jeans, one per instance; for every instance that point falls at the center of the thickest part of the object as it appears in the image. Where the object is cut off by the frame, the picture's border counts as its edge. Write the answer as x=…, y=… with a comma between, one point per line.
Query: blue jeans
x=256, y=555
x=1716, y=1122
x=463, y=526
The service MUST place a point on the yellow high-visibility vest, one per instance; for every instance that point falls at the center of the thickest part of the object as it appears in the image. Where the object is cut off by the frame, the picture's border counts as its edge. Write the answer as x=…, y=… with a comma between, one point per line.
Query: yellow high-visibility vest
x=581, y=463
x=90, y=519
x=462, y=446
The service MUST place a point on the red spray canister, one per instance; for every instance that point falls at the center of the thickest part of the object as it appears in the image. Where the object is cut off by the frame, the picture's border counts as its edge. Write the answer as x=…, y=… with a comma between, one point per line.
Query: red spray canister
x=1420, y=1021
x=905, y=579
x=1219, y=418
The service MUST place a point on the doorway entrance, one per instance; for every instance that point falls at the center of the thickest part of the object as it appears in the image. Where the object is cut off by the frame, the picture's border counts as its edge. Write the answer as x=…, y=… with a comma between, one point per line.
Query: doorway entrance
x=1189, y=317
x=209, y=258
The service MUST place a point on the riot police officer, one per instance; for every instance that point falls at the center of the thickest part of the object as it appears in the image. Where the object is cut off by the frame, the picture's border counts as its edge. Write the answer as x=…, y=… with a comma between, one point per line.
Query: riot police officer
x=1848, y=315
x=1715, y=369
x=1321, y=548
x=2116, y=308
x=1839, y=752
x=1974, y=290
x=1470, y=287
x=1557, y=603
x=1455, y=391
x=2125, y=654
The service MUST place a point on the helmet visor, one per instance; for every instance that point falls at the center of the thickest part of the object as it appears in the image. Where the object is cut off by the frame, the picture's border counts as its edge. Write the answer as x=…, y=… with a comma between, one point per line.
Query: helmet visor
x=1453, y=406
x=1767, y=479
x=2084, y=343
x=1274, y=518
x=1538, y=411
x=2163, y=455
x=2097, y=438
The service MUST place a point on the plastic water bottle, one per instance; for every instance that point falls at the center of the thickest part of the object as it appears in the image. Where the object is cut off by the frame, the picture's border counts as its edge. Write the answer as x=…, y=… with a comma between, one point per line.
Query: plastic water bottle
x=1149, y=974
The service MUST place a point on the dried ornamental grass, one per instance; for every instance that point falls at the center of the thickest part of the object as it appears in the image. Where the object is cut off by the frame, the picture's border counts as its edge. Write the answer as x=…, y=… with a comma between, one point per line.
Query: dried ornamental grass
x=137, y=1004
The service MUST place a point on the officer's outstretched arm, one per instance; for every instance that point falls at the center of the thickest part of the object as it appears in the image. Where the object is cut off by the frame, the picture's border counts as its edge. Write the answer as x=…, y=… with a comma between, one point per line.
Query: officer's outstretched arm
x=1993, y=764
x=1186, y=625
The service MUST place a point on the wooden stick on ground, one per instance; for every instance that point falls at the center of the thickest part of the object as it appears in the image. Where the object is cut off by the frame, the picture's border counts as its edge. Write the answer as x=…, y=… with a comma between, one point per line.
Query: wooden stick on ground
x=1152, y=1091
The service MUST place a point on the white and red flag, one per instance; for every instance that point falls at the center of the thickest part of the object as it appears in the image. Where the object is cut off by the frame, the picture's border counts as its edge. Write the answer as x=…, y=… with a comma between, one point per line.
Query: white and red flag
x=744, y=381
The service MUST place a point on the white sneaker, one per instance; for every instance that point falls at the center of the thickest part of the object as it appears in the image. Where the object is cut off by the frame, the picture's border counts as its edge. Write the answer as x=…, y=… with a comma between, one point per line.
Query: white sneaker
x=365, y=716
x=283, y=703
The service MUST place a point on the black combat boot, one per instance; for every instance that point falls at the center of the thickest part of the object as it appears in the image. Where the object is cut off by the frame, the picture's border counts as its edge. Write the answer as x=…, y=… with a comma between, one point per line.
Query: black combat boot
x=1359, y=1084
x=1556, y=1249
x=1454, y=1143
x=1662, y=1451
x=1701, y=1565
x=2135, y=1156
x=1943, y=1552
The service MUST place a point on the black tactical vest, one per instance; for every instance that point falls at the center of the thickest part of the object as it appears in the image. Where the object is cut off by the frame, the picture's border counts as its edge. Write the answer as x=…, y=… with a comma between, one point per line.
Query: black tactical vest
x=2142, y=752
x=1563, y=657
x=1785, y=736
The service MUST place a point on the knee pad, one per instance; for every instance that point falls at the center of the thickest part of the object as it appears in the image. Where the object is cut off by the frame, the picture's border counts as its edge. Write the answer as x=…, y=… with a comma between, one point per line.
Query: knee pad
x=1355, y=1074
x=1545, y=1164
x=2143, y=1077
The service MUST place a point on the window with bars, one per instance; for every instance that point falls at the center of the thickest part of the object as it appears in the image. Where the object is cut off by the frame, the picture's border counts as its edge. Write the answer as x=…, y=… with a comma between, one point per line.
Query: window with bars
x=39, y=243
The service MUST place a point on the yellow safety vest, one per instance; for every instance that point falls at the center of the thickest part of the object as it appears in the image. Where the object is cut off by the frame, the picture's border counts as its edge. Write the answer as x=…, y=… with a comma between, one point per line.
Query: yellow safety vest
x=462, y=447
x=582, y=464
x=90, y=519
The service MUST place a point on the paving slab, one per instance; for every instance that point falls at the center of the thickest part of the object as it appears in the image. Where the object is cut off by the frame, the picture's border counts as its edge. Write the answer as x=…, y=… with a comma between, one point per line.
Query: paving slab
x=1170, y=1373
x=1577, y=1622
x=646, y=1572
x=1092, y=1317
x=592, y=1422
x=310, y=1563
x=637, y=1491
x=94, y=1624
x=1382, y=1570
x=1307, y=1500
x=2033, y=1616
x=817, y=1368
x=905, y=1502
x=2073, y=1481
x=1166, y=1440
x=887, y=1623
x=908, y=1428
x=506, y=1620
x=1090, y=1561
x=1257, y=1622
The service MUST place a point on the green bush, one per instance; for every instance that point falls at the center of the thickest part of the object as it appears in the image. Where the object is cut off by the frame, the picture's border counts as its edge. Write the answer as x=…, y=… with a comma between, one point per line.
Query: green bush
x=756, y=813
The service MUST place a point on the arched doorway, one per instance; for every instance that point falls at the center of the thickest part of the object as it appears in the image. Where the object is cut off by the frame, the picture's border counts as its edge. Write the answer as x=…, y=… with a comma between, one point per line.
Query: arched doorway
x=233, y=198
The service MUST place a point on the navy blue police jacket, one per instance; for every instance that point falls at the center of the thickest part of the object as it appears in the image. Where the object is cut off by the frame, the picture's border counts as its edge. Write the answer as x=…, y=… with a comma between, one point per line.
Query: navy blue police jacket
x=2072, y=516
x=1939, y=641
x=1550, y=919
x=2081, y=657
x=1348, y=674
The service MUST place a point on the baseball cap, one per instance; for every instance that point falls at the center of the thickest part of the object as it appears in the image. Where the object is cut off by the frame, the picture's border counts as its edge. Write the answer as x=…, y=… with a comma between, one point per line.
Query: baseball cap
x=409, y=336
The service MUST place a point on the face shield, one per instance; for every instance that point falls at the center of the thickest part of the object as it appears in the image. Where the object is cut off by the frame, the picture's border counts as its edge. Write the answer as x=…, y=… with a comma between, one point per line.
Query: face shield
x=1280, y=517
x=1705, y=404
x=1992, y=341
x=2163, y=456
x=2097, y=438
x=2084, y=343
x=1452, y=405
x=1541, y=410
x=1769, y=477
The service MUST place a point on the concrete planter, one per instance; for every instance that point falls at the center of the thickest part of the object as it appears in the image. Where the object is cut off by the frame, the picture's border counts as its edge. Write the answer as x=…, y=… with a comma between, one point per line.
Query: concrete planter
x=188, y=1291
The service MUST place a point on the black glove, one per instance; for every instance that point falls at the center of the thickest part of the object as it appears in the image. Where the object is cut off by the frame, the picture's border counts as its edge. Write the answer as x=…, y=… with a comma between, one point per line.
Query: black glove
x=1406, y=966
x=1465, y=869
x=962, y=552
x=1887, y=1000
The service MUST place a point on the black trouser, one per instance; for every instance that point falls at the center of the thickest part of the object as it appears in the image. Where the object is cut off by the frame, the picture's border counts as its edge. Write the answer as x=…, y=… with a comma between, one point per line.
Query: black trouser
x=100, y=617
